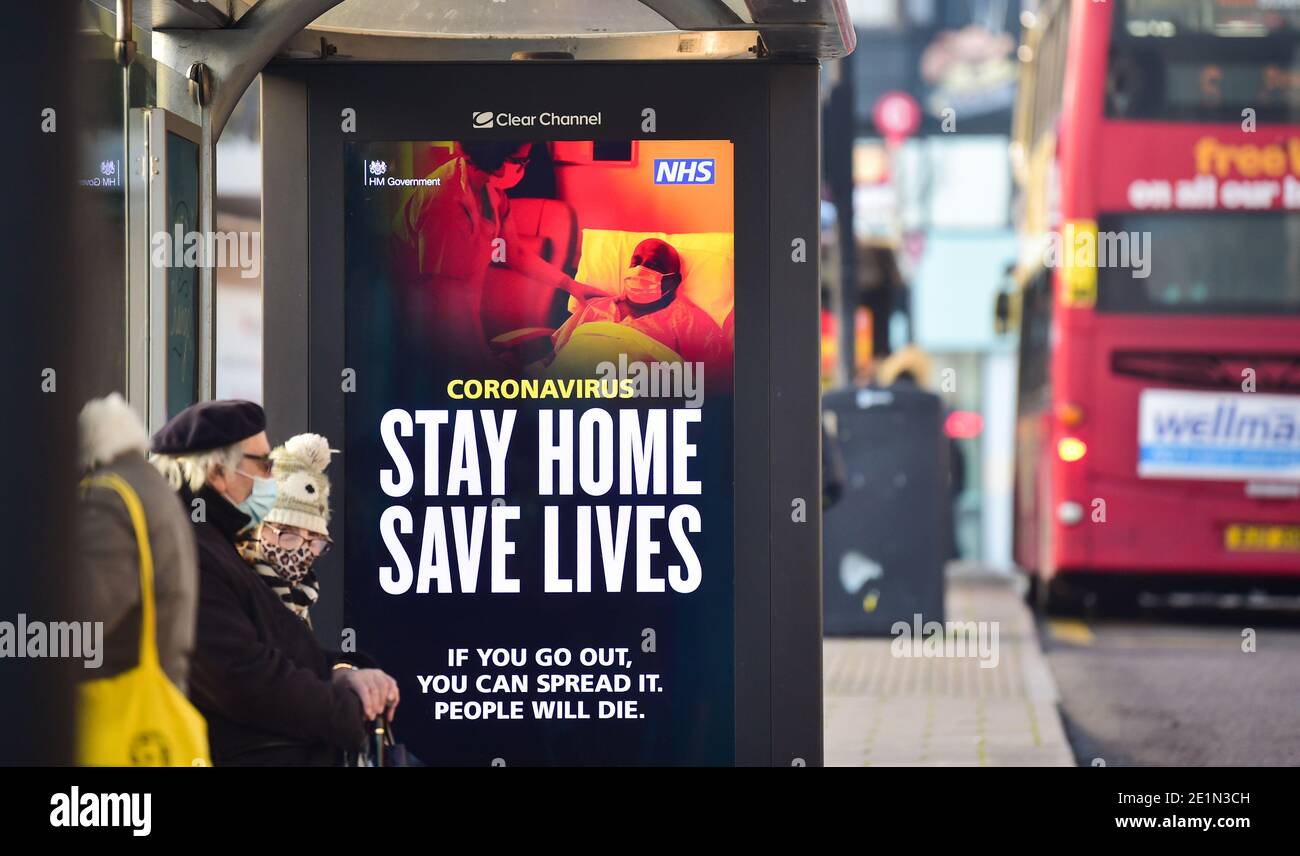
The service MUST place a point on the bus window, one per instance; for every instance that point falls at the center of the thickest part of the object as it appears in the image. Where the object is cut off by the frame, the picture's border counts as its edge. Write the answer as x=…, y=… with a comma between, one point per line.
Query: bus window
x=1204, y=60
x=1216, y=264
x=1035, y=342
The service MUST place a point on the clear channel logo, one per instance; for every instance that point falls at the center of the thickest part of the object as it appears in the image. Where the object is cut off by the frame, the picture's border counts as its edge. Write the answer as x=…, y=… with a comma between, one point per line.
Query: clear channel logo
x=545, y=119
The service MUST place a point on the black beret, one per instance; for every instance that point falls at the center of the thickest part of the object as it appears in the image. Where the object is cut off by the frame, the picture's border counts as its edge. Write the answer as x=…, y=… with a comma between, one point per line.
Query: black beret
x=209, y=425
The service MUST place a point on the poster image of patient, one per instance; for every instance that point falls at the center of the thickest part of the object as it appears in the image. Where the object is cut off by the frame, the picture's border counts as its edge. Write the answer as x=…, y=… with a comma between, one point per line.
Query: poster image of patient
x=542, y=284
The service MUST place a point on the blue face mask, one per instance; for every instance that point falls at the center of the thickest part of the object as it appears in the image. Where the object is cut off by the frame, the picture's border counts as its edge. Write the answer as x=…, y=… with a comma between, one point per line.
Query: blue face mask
x=261, y=500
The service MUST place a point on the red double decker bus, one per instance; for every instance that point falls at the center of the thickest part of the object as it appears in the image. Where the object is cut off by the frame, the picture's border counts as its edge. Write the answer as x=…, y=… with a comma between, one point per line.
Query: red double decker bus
x=1157, y=149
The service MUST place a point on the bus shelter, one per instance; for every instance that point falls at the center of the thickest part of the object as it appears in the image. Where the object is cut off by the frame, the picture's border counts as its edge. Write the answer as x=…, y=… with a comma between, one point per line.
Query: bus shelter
x=545, y=274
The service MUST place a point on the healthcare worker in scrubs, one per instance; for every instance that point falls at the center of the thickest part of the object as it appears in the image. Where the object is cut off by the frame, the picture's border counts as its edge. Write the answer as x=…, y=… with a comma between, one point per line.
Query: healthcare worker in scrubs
x=449, y=233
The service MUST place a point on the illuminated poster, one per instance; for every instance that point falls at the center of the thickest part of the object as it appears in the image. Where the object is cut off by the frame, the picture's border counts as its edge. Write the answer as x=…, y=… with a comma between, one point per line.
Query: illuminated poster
x=539, y=445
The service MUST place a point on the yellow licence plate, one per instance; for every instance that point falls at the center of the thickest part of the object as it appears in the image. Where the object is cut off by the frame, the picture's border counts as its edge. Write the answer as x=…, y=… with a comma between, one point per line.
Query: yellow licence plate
x=1266, y=539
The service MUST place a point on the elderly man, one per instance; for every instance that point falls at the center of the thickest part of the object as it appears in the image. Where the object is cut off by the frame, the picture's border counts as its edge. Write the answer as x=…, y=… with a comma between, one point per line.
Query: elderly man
x=271, y=694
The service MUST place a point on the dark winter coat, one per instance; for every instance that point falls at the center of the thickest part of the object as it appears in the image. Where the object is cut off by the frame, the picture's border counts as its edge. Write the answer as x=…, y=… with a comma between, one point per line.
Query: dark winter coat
x=259, y=675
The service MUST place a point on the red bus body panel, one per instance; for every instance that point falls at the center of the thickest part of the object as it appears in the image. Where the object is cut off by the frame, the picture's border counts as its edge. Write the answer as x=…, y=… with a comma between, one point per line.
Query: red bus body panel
x=1157, y=526
x=1153, y=525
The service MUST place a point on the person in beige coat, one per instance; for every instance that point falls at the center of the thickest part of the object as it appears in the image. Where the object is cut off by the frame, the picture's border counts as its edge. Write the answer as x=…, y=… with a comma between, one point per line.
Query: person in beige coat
x=112, y=440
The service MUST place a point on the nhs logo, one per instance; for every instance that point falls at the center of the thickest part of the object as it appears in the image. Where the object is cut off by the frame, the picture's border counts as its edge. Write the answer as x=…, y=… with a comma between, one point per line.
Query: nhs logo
x=684, y=170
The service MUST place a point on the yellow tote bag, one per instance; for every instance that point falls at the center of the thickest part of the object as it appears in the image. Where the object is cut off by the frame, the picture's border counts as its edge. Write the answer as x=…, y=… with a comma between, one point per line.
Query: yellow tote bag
x=139, y=718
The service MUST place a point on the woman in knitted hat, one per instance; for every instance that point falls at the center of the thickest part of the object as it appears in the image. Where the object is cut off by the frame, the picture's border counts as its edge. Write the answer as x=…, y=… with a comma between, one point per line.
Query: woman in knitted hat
x=295, y=532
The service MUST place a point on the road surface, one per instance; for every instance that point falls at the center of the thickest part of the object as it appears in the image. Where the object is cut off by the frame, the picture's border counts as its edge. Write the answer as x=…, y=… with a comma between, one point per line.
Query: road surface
x=1176, y=685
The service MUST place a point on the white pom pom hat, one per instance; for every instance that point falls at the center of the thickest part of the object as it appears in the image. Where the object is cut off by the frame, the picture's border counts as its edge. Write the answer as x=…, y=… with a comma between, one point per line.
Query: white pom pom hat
x=303, y=497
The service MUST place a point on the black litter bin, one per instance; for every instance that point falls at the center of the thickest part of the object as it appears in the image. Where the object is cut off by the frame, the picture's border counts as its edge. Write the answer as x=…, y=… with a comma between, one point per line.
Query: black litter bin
x=886, y=540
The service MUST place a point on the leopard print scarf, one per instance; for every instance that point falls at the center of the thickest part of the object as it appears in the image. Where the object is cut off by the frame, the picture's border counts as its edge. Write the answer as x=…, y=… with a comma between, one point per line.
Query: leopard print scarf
x=288, y=572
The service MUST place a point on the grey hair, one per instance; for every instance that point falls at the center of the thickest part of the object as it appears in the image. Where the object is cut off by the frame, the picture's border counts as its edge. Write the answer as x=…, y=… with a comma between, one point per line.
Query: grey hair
x=192, y=470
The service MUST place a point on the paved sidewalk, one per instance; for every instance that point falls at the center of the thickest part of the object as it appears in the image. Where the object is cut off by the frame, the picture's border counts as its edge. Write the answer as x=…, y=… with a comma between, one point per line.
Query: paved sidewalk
x=882, y=710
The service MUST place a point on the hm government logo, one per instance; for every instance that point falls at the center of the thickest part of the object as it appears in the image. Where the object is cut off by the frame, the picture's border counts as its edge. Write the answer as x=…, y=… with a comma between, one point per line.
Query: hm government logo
x=483, y=119
x=379, y=177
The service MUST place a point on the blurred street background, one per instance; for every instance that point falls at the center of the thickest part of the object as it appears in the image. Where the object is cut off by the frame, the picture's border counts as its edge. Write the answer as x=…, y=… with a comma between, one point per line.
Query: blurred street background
x=1143, y=581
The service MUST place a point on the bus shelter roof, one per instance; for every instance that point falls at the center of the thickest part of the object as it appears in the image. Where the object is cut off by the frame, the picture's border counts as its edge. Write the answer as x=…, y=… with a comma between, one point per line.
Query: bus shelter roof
x=499, y=29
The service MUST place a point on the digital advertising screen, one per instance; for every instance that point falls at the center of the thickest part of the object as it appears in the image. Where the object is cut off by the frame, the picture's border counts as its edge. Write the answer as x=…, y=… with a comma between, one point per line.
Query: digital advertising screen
x=539, y=443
